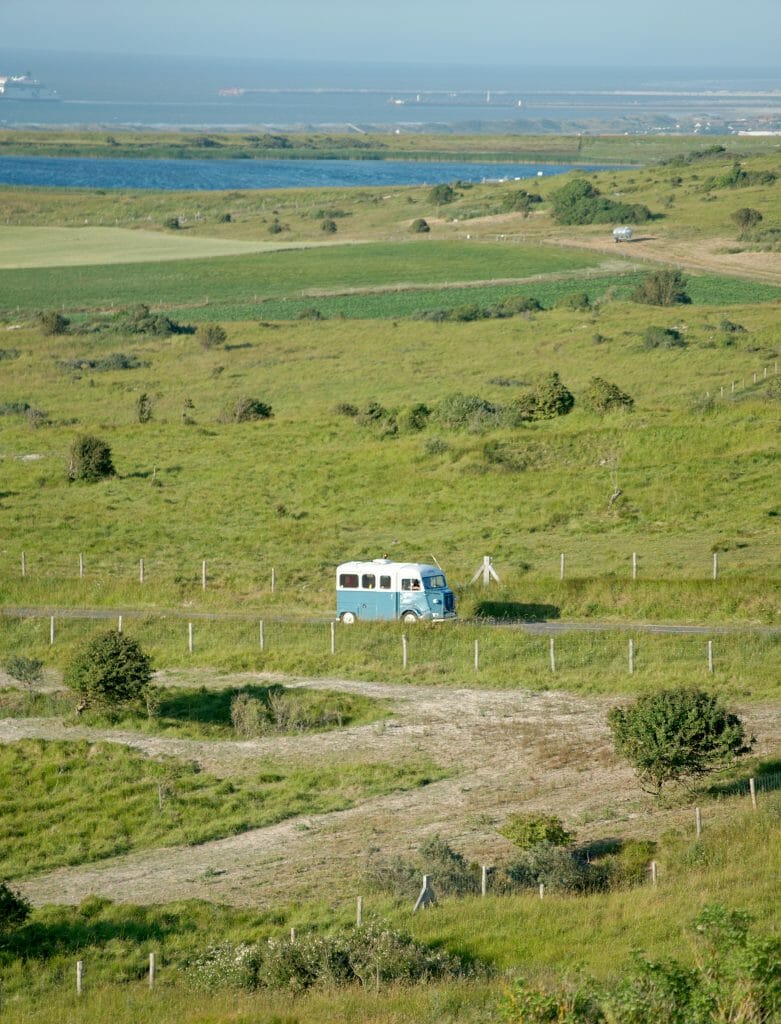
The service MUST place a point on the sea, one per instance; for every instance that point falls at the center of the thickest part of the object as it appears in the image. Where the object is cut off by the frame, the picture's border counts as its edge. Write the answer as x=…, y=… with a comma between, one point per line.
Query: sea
x=110, y=92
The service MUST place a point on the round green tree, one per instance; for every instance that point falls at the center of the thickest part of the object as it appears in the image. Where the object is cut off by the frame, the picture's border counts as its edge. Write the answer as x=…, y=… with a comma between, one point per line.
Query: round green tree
x=90, y=459
x=676, y=734
x=111, y=670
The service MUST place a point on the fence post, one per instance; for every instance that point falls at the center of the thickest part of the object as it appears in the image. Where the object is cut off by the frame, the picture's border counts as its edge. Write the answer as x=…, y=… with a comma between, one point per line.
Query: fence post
x=152, y=970
x=81, y=565
x=752, y=788
x=631, y=656
x=119, y=624
x=273, y=580
x=51, y=630
x=483, y=879
x=79, y=977
x=404, y=650
x=710, y=655
x=477, y=655
x=141, y=570
x=333, y=638
x=292, y=935
x=634, y=565
x=261, y=636
x=359, y=912
x=552, y=655
x=697, y=822
x=654, y=873
x=24, y=565
x=203, y=574
x=542, y=890
x=561, y=566
x=715, y=565
x=190, y=637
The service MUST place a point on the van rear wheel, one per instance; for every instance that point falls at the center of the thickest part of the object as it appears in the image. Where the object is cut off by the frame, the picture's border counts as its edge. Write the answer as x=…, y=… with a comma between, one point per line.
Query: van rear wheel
x=409, y=617
x=348, y=618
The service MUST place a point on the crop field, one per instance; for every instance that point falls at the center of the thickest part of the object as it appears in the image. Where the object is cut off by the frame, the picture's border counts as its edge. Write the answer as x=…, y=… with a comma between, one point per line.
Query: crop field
x=406, y=406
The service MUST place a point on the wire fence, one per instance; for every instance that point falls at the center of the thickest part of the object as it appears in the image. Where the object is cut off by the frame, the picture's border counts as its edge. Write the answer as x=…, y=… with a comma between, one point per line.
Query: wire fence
x=433, y=652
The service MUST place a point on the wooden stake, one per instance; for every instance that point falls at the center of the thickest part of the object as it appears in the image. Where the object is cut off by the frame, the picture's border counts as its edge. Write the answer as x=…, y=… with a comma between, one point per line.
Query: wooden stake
x=561, y=566
x=483, y=879
x=292, y=935
x=141, y=570
x=654, y=875
x=79, y=977
x=333, y=638
x=119, y=624
x=152, y=970
x=203, y=574
x=359, y=912
x=190, y=637
x=24, y=564
x=81, y=566
x=542, y=890
x=752, y=788
x=715, y=565
x=631, y=656
x=552, y=655
x=261, y=637
x=477, y=655
x=697, y=822
x=634, y=565
x=710, y=655
x=51, y=630
x=273, y=580
x=404, y=650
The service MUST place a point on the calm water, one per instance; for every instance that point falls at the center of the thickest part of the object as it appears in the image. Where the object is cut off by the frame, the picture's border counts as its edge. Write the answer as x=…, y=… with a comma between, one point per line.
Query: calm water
x=119, y=90
x=67, y=172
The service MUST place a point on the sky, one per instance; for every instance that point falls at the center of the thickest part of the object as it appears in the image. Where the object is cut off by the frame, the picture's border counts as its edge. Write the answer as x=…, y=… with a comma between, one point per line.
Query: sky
x=661, y=33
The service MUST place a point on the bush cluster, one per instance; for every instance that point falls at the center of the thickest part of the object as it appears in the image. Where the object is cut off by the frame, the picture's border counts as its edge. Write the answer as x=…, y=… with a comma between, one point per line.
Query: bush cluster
x=90, y=459
x=662, y=288
x=602, y=396
x=662, y=337
x=370, y=956
x=246, y=410
x=110, y=670
x=279, y=711
x=513, y=305
x=112, y=362
x=580, y=202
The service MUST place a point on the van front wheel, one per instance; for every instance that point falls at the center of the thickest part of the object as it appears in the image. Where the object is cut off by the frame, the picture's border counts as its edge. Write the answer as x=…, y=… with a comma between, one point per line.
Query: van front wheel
x=409, y=617
x=348, y=618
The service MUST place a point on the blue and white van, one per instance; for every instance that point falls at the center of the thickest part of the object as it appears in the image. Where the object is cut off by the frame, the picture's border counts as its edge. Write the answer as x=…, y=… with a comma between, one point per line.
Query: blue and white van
x=382, y=589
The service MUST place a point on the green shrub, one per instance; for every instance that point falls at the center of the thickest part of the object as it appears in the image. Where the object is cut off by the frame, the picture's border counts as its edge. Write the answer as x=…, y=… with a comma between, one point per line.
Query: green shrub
x=53, y=323
x=662, y=337
x=580, y=202
x=247, y=410
x=109, y=670
x=575, y=300
x=416, y=417
x=662, y=288
x=328, y=226
x=552, y=398
x=14, y=909
x=460, y=412
x=144, y=408
x=211, y=335
x=90, y=459
x=24, y=670
x=528, y=830
x=602, y=396
x=442, y=194
x=419, y=226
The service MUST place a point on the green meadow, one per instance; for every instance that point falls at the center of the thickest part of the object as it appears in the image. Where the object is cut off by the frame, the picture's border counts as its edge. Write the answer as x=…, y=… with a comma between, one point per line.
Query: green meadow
x=368, y=341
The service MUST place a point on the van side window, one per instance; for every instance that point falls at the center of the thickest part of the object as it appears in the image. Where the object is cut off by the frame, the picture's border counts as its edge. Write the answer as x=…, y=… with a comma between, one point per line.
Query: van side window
x=348, y=579
x=368, y=581
x=385, y=582
x=410, y=585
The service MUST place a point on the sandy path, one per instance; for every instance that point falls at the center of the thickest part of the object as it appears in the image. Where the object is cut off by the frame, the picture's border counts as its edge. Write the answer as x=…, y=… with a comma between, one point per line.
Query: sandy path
x=506, y=750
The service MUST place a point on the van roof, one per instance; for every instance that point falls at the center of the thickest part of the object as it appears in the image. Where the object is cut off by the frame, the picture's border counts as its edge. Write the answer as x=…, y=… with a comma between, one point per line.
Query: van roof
x=378, y=564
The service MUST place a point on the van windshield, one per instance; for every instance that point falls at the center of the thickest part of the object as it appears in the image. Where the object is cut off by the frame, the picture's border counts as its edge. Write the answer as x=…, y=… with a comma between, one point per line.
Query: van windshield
x=434, y=582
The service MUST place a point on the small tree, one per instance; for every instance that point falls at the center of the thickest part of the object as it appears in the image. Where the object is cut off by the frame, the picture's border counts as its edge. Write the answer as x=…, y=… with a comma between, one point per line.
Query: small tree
x=51, y=322
x=328, y=225
x=144, y=408
x=211, y=335
x=529, y=830
x=746, y=218
x=419, y=226
x=90, y=459
x=246, y=410
x=677, y=734
x=662, y=288
x=111, y=669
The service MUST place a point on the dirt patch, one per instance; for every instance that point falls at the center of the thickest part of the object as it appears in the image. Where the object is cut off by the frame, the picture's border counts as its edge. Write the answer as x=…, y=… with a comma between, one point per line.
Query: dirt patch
x=505, y=750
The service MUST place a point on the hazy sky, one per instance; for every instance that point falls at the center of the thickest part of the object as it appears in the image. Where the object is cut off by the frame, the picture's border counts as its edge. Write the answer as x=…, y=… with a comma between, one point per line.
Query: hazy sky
x=539, y=32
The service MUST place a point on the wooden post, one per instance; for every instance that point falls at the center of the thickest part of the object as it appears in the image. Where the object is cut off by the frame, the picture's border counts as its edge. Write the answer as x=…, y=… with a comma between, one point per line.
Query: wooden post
x=697, y=822
x=190, y=637
x=79, y=977
x=715, y=565
x=484, y=879
x=333, y=638
x=51, y=630
x=752, y=788
x=292, y=935
x=561, y=566
x=732, y=389
x=24, y=565
x=119, y=624
x=552, y=655
x=710, y=655
x=654, y=873
x=141, y=570
x=631, y=656
x=203, y=574
x=427, y=897
x=487, y=571
x=273, y=580
x=542, y=890
x=359, y=912
x=261, y=636
x=152, y=970
x=404, y=650
x=81, y=566
x=477, y=655
x=634, y=565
